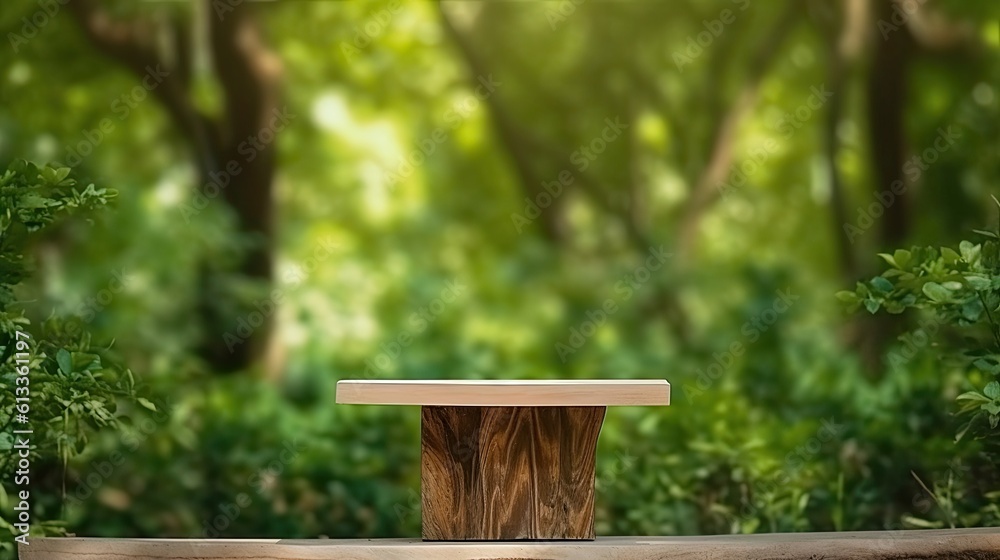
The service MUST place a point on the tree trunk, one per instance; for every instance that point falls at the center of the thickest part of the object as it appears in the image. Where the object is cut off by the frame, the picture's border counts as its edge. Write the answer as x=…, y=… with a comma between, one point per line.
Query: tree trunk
x=886, y=98
x=234, y=151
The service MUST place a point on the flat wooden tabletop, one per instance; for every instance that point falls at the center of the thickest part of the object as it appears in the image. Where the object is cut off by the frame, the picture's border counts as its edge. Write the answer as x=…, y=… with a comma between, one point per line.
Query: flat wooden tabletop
x=566, y=392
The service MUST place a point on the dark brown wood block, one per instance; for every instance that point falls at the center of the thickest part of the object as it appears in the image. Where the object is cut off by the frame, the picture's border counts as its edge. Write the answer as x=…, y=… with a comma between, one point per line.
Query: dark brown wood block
x=508, y=473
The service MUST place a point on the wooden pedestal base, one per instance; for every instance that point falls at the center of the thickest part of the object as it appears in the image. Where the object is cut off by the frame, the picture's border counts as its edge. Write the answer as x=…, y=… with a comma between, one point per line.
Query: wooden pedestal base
x=508, y=473
x=508, y=460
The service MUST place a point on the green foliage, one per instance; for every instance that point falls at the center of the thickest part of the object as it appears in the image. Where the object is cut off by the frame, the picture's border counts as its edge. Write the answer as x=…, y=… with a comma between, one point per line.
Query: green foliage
x=728, y=459
x=75, y=388
x=958, y=289
x=30, y=199
x=961, y=287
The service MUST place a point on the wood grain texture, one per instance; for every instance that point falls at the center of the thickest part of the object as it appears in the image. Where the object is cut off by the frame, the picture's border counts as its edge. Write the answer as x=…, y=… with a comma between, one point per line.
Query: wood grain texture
x=508, y=473
x=967, y=544
x=582, y=392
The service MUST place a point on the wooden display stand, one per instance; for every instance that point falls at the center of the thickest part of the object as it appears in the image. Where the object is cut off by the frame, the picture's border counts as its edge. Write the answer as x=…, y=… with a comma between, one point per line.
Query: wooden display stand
x=507, y=460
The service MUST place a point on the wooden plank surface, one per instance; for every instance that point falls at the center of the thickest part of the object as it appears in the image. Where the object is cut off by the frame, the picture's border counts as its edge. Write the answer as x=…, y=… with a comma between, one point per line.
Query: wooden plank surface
x=508, y=473
x=589, y=392
x=966, y=544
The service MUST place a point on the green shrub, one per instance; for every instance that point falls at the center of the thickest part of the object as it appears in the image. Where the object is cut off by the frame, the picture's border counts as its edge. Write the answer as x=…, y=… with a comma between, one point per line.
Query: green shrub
x=956, y=293
x=74, y=389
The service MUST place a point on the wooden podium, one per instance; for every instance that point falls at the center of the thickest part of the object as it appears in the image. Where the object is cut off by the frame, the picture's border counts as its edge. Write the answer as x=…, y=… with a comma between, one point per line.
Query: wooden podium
x=508, y=460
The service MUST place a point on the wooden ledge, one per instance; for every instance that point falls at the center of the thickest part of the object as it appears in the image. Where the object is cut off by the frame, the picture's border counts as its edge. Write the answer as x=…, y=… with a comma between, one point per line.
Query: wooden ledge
x=583, y=392
x=968, y=544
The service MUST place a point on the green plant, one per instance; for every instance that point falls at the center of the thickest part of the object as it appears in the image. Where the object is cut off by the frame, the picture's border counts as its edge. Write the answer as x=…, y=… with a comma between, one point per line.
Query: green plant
x=69, y=388
x=962, y=288
x=956, y=293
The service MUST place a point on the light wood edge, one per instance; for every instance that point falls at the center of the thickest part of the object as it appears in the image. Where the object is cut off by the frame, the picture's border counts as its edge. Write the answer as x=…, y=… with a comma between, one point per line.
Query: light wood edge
x=934, y=544
x=651, y=392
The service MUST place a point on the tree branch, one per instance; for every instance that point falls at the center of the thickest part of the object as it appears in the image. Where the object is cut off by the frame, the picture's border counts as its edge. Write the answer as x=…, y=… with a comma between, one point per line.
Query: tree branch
x=520, y=143
x=510, y=134
x=844, y=45
x=721, y=155
x=248, y=72
x=131, y=45
x=933, y=31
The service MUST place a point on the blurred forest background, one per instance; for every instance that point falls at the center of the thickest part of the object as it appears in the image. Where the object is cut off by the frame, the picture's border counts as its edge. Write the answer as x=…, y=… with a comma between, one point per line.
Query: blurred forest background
x=314, y=191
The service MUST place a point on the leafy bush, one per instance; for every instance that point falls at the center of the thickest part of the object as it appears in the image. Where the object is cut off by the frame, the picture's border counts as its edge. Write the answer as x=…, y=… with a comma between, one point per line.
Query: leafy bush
x=956, y=291
x=74, y=388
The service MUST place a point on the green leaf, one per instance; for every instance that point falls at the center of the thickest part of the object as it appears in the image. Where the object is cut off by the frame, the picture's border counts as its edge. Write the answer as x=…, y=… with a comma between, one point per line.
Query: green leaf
x=872, y=305
x=953, y=286
x=61, y=173
x=989, y=234
x=949, y=255
x=992, y=390
x=881, y=284
x=972, y=396
x=65, y=361
x=847, y=296
x=911, y=521
x=894, y=307
x=970, y=252
x=991, y=407
x=889, y=259
x=978, y=282
x=936, y=292
x=972, y=310
x=962, y=431
x=902, y=257
x=146, y=403
x=84, y=361
x=987, y=366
